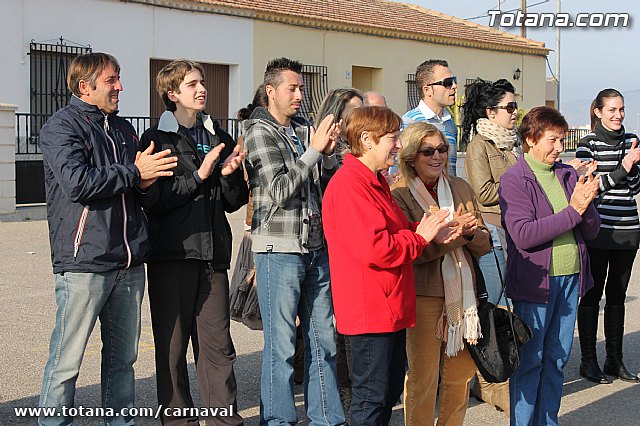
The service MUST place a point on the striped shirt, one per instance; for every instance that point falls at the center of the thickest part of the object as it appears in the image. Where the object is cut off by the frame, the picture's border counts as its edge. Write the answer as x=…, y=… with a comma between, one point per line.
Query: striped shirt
x=616, y=202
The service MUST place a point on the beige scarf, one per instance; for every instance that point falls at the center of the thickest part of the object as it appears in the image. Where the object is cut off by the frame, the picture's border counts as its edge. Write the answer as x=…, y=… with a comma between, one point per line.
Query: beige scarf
x=460, y=309
x=503, y=138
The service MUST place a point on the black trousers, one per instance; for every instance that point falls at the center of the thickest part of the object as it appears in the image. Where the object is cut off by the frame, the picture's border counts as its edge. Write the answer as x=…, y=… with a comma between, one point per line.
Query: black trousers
x=377, y=376
x=611, y=271
x=190, y=301
x=343, y=360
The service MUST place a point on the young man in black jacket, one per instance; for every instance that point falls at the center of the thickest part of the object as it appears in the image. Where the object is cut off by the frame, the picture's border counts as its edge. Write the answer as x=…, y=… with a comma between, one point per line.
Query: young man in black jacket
x=191, y=249
x=98, y=236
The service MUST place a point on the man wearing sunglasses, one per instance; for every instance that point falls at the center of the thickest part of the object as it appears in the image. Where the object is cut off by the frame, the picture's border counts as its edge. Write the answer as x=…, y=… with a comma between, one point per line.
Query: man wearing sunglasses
x=437, y=85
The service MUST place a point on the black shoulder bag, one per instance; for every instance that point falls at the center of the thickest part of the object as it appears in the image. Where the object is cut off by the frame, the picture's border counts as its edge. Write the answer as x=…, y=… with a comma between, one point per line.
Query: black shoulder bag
x=497, y=352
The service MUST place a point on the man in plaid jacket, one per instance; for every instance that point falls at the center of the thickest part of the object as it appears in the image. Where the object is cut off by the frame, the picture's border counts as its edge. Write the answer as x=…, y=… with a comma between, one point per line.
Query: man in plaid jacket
x=289, y=165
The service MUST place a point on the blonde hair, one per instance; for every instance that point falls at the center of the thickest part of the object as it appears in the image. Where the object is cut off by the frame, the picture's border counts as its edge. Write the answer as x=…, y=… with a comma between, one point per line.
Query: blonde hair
x=412, y=137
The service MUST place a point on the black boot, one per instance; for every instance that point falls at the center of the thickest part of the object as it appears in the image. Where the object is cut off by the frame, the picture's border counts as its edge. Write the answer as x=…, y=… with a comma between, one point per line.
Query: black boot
x=587, y=330
x=613, y=332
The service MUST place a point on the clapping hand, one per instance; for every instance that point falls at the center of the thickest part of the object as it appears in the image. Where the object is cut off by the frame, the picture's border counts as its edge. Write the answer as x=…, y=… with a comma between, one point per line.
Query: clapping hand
x=233, y=161
x=585, y=191
x=152, y=166
x=324, y=138
x=468, y=222
x=210, y=161
x=632, y=157
x=583, y=167
x=435, y=227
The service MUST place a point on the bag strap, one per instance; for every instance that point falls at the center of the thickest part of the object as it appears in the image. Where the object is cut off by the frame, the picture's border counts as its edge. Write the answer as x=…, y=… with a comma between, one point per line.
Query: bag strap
x=506, y=300
x=502, y=283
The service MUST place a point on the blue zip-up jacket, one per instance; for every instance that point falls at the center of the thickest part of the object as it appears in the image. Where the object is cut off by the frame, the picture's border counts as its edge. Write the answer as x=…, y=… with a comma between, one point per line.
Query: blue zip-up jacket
x=96, y=223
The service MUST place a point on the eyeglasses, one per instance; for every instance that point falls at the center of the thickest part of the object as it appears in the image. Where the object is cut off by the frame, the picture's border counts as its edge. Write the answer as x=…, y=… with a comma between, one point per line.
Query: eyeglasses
x=429, y=151
x=510, y=107
x=447, y=82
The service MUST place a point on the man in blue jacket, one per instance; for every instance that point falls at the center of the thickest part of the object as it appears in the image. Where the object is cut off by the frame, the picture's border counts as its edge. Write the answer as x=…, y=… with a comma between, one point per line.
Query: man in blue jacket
x=98, y=236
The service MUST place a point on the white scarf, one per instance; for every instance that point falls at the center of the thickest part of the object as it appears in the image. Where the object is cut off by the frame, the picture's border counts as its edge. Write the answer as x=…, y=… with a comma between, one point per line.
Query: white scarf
x=460, y=308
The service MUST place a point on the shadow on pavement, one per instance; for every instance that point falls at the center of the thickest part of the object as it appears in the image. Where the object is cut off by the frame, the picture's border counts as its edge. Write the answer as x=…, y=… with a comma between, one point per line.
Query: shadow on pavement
x=89, y=396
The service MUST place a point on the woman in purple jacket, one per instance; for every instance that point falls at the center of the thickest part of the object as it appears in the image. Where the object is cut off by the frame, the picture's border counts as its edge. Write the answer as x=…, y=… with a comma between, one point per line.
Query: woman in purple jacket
x=547, y=214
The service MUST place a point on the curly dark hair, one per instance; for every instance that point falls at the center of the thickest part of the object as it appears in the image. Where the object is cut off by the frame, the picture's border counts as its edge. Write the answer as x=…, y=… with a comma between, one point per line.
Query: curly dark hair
x=478, y=96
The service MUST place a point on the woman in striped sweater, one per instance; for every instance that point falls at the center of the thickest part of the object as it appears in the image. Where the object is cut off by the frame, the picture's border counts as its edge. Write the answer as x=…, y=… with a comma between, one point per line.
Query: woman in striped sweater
x=613, y=251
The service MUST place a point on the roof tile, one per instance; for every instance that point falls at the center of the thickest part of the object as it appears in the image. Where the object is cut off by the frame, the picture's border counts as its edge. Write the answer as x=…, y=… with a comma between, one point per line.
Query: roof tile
x=382, y=15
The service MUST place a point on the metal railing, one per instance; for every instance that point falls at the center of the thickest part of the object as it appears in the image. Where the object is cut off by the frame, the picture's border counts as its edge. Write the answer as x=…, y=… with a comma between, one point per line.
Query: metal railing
x=570, y=141
x=230, y=125
x=573, y=137
x=140, y=124
x=28, y=129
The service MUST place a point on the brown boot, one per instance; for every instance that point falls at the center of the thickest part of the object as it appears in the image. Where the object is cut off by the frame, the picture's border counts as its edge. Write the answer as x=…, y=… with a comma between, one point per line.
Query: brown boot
x=495, y=394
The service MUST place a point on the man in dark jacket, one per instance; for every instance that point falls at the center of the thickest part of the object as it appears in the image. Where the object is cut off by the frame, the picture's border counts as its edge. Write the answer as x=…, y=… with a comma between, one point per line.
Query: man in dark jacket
x=98, y=236
x=191, y=249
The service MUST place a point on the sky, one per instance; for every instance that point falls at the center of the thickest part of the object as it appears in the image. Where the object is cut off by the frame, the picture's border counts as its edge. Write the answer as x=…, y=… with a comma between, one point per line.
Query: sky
x=591, y=59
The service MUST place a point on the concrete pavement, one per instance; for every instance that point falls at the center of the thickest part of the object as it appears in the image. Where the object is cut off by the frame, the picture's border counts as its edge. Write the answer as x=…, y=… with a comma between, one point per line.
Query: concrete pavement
x=27, y=309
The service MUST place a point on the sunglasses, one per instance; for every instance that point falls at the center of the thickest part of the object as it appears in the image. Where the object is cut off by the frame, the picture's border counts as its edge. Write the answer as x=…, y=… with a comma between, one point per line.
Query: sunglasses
x=447, y=82
x=429, y=151
x=510, y=107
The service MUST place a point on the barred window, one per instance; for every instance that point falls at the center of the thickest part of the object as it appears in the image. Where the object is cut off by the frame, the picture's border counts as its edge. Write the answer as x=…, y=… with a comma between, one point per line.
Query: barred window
x=49, y=64
x=413, y=92
x=314, y=78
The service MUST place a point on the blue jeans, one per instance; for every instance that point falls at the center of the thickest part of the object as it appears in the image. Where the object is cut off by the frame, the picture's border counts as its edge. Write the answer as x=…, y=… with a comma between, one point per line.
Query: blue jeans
x=114, y=297
x=377, y=376
x=291, y=285
x=489, y=268
x=536, y=386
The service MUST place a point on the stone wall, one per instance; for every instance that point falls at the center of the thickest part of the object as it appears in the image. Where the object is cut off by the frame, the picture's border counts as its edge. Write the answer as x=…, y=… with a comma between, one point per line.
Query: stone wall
x=7, y=158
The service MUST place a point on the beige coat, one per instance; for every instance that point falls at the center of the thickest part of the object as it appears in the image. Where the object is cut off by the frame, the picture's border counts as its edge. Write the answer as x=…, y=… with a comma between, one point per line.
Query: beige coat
x=485, y=165
x=427, y=267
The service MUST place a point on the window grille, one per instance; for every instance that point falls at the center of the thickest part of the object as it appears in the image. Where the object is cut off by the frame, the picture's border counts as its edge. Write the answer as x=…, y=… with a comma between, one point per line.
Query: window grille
x=314, y=78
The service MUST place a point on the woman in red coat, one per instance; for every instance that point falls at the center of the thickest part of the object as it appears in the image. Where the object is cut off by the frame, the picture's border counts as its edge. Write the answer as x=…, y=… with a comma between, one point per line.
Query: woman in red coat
x=372, y=246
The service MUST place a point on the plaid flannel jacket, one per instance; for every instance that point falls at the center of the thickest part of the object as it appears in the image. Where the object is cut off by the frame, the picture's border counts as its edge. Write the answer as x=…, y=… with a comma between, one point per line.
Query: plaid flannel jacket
x=281, y=180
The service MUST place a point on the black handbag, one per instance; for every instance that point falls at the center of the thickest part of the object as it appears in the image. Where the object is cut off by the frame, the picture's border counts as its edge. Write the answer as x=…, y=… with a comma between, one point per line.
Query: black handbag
x=497, y=352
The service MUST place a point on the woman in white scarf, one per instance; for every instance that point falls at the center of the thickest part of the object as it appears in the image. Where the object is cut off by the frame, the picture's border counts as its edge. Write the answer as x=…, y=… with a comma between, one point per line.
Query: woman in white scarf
x=446, y=307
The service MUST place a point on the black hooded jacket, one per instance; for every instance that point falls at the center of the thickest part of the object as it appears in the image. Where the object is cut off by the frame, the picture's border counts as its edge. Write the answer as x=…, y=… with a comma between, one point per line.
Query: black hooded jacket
x=187, y=218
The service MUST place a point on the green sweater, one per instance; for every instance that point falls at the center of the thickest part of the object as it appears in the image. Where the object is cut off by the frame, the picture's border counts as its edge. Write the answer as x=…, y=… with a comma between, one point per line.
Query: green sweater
x=565, y=258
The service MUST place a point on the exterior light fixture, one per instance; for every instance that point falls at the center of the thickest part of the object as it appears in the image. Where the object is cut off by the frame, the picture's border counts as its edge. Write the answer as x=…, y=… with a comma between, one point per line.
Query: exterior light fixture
x=516, y=74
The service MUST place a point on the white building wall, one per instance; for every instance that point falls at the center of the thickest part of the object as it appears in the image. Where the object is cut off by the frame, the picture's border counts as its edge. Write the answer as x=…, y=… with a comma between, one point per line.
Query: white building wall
x=133, y=33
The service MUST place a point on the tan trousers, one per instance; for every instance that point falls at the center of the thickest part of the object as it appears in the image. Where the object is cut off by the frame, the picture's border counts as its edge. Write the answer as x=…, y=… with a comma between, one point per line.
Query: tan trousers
x=427, y=362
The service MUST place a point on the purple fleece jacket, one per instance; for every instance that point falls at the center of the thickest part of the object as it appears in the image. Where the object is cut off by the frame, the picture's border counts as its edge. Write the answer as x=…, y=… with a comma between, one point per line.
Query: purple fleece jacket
x=531, y=226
